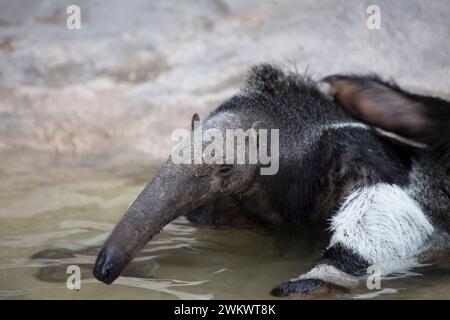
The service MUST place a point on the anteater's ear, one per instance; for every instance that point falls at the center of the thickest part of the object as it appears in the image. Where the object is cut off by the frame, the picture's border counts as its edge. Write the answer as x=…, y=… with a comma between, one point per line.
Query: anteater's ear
x=381, y=104
x=195, y=121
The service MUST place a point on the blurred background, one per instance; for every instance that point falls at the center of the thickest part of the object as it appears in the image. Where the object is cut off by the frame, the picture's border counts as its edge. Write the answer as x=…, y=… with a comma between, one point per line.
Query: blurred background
x=86, y=117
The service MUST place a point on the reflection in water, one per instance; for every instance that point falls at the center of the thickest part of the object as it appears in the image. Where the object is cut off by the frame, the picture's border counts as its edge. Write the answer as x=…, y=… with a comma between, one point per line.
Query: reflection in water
x=164, y=286
x=32, y=240
x=375, y=294
x=24, y=292
x=53, y=218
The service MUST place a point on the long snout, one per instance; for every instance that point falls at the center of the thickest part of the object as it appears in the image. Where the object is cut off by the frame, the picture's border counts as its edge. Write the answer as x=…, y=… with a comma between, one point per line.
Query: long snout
x=162, y=201
x=129, y=236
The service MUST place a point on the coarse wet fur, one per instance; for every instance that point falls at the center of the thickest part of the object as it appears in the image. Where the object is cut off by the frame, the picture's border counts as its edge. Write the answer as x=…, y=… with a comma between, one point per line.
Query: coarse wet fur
x=365, y=156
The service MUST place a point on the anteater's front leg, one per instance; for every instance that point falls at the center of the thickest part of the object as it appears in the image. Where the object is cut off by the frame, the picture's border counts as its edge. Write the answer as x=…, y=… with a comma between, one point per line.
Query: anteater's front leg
x=378, y=225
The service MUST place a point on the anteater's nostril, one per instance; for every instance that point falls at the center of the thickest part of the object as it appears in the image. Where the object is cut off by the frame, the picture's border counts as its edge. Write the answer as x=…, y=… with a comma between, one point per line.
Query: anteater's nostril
x=109, y=265
x=105, y=272
x=102, y=269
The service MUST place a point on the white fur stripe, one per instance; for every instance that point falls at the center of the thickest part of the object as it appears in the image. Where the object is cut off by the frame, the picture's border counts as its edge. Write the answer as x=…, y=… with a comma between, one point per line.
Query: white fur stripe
x=345, y=125
x=382, y=224
x=381, y=132
x=401, y=139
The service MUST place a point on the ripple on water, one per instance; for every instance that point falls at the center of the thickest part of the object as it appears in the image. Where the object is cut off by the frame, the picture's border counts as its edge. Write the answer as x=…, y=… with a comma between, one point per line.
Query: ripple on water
x=50, y=220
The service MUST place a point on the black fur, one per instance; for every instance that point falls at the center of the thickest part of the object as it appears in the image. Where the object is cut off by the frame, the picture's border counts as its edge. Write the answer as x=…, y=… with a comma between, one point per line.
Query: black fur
x=309, y=186
x=344, y=259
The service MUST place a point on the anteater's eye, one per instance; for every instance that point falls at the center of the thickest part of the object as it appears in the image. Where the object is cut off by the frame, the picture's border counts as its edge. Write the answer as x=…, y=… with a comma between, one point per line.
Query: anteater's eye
x=225, y=170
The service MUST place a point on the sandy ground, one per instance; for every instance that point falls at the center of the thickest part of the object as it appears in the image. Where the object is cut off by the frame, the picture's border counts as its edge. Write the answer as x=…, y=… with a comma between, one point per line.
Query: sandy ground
x=136, y=70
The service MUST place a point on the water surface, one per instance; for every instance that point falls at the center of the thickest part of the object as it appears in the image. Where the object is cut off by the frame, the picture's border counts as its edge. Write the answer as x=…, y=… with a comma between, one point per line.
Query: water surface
x=57, y=212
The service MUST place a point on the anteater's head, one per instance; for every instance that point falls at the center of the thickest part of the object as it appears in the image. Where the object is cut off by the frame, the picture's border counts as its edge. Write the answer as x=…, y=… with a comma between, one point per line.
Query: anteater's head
x=225, y=155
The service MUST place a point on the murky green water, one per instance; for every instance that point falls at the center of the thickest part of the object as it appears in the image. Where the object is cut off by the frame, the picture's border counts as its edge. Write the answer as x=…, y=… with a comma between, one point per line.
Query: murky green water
x=57, y=212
